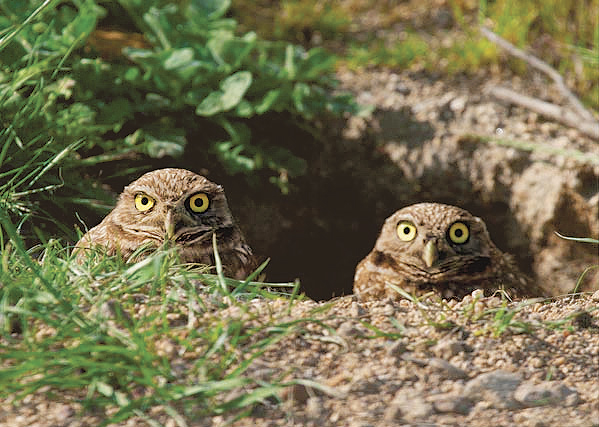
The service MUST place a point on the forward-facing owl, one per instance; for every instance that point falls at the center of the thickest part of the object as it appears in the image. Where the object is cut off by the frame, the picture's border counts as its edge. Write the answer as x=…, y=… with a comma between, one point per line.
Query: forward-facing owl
x=431, y=246
x=176, y=205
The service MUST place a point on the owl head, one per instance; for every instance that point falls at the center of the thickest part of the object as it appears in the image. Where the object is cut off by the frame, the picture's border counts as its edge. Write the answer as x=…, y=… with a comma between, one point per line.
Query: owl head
x=173, y=204
x=436, y=241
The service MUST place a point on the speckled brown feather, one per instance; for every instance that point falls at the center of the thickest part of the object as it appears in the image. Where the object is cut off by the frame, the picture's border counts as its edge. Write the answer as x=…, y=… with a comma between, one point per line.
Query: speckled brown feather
x=460, y=269
x=125, y=229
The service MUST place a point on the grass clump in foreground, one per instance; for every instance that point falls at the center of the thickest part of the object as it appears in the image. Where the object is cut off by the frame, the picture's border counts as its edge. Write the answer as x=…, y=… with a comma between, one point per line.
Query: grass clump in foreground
x=122, y=339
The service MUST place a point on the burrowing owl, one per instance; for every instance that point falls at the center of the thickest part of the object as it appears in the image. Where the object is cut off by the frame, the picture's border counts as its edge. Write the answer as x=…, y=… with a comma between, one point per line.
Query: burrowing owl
x=431, y=246
x=176, y=205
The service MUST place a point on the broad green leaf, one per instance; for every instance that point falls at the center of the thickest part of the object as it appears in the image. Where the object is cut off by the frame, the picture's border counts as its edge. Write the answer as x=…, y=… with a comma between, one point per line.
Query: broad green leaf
x=230, y=50
x=179, y=58
x=239, y=132
x=104, y=388
x=115, y=112
x=159, y=148
x=232, y=90
x=211, y=105
x=212, y=9
x=301, y=92
x=234, y=87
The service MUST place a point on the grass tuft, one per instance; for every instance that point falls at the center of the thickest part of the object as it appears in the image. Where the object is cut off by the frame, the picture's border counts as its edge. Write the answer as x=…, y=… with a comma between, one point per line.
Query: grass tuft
x=123, y=338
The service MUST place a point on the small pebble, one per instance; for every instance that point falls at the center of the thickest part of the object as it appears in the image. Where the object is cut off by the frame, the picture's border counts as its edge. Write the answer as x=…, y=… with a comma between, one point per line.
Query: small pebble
x=447, y=369
x=314, y=407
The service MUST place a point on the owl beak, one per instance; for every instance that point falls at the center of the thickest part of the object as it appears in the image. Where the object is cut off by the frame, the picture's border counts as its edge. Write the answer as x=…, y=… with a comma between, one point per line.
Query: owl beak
x=169, y=224
x=430, y=254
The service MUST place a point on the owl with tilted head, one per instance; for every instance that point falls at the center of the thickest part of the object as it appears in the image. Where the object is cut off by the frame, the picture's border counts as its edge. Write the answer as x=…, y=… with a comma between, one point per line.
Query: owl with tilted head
x=435, y=247
x=179, y=206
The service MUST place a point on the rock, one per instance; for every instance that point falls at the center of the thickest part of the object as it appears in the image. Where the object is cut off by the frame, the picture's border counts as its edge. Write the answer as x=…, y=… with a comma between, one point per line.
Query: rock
x=348, y=329
x=358, y=423
x=397, y=348
x=356, y=310
x=447, y=369
x=496, y=387
x=314, y=407
x=408, y=406
x=451, y=402
x=113, y=310
x=366, y=386
x=392, y=413
x=64, y=411
x=458, y=104
x=547, y=393
x=448, y=348
x=583, y=319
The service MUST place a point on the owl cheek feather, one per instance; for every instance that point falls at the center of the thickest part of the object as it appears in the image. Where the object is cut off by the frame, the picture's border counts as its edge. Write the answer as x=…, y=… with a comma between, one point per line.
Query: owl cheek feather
x=382, y=259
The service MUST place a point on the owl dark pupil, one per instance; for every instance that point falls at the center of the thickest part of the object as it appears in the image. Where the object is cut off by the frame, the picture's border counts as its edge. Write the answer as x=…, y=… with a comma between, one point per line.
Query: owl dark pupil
x=145, y=201
x=406, y=230
x=458, y=233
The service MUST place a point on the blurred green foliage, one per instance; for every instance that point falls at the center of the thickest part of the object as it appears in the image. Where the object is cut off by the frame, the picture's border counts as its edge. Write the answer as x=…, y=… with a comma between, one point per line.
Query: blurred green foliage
x=96, y=82
x=441, y=35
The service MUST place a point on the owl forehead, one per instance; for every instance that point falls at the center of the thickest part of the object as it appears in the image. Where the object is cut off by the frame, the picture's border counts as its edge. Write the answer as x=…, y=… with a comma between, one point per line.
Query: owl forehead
x=171, y=184
x=433, y=215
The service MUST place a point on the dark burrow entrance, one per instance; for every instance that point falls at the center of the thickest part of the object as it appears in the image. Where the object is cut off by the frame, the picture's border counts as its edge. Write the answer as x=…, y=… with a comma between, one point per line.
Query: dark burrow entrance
x=321, y=230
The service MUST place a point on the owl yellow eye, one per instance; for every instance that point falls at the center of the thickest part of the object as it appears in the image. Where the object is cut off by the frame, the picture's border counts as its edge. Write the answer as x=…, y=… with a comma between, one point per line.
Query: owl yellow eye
x=406, y=231
x=199, y=203
x=143, y=202
x=459, y=233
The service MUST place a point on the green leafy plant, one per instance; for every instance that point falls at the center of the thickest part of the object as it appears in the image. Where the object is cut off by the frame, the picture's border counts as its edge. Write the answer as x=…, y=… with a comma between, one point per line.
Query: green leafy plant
x=180, y=81
x=77, y=329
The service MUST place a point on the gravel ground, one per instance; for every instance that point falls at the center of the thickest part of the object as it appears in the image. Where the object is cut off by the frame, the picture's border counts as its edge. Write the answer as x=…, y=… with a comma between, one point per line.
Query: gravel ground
x=389, y=363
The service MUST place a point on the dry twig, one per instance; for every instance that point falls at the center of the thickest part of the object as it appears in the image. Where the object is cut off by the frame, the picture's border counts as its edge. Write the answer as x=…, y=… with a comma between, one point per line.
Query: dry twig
x=579, y=117
x=552, y=111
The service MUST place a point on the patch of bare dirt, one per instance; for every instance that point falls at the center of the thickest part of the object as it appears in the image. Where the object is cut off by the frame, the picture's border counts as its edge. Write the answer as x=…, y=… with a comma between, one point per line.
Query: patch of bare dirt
x=475, y=362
